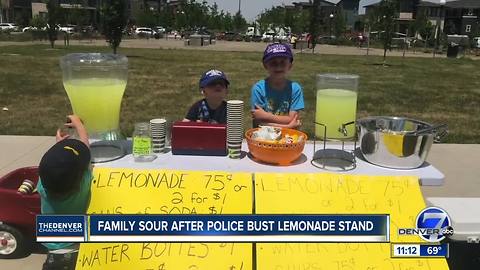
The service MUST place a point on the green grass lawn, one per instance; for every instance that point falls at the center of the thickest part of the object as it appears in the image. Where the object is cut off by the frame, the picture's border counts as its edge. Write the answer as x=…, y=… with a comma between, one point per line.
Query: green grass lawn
x=165, y=83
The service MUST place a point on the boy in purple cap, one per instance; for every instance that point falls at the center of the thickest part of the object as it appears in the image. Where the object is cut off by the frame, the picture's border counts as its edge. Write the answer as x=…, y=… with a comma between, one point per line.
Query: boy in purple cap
x=213, y=107
x=277, y=101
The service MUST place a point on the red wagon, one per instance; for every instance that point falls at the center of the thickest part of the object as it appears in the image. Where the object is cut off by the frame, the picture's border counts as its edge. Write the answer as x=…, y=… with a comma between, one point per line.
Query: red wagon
x=17, y=213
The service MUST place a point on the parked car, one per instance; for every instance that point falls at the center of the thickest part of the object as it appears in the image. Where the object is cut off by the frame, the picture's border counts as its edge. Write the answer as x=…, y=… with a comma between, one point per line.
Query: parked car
x=281, y=38
x=17, y=213
x=256, y=38
x=268, y=36
x=8, y=27
x=326, y=39
x=33, y=28
x=476, y=42
x=159, y=29
x=230, y=36
x=144, y=31
x=158, y=32
x=29, y=28
x=86, y=29
x=69, y=29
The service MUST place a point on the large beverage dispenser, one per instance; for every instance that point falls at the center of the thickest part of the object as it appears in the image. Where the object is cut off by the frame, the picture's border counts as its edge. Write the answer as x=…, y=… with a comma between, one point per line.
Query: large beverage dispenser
x=335, y=115
x=95, y=83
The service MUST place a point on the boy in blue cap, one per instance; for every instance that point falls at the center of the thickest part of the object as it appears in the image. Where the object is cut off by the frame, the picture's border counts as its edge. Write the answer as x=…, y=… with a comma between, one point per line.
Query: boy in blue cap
x=213, y=108
x=277, y=101
x=64, y=187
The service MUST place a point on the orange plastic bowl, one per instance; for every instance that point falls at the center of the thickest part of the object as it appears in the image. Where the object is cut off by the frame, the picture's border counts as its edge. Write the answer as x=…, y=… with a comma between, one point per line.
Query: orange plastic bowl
x=273, y=153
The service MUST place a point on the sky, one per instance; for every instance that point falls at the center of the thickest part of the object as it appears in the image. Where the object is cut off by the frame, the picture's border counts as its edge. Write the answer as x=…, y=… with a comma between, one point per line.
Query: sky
x=251, y=8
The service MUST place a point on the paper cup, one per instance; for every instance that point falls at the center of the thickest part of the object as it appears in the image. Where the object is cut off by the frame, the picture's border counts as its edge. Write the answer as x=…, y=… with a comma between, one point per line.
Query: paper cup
x=234, y=149
x=158, y=121
x=158, y=126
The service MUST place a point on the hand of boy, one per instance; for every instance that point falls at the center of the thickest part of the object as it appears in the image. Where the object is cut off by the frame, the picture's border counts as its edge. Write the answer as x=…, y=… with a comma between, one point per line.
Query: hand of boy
x=76, y=123
x=260, y=114
x=295, y=123
x=60, y=136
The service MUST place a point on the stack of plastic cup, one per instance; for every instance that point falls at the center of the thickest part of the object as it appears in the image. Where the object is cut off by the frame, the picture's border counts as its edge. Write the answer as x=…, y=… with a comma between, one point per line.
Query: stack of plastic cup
x=158, y=128
x=26, y=187
x=234, y=128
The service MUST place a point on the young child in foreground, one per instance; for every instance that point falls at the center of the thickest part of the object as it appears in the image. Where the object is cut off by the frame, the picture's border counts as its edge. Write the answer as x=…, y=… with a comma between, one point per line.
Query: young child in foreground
x=213, y=107
x=64, y=187
x=277, y=101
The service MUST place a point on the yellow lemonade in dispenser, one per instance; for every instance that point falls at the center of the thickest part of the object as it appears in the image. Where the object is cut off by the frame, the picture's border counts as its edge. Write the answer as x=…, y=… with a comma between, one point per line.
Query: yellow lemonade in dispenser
x=334, y=108
x=96, y=101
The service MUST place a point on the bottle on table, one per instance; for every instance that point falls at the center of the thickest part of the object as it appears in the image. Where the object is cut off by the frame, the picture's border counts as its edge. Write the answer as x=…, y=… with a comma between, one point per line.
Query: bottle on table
x=142, y=143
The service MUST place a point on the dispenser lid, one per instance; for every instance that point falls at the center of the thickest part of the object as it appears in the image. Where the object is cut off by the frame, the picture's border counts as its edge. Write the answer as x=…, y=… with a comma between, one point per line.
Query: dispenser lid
x=94, y=60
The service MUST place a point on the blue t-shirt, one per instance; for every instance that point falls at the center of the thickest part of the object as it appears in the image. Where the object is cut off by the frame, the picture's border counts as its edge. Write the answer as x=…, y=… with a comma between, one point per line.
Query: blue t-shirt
x=75, y=204
x=278, y=102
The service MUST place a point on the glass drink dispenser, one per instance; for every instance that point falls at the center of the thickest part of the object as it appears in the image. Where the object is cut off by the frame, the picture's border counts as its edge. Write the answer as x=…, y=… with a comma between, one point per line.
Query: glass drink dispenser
x=95, y=83
x=335, y=115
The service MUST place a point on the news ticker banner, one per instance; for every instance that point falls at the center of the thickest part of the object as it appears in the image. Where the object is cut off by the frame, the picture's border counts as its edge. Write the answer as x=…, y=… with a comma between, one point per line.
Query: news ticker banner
x=214, y=228
x=419, y=250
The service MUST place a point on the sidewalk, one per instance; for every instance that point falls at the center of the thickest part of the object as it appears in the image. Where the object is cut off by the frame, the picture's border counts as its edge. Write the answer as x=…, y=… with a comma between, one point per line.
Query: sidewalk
x=230, y=46
x=458, y=162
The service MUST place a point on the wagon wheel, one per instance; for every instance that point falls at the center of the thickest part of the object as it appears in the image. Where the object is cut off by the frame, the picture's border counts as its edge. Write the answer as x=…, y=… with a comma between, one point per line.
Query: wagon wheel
x=13, y=244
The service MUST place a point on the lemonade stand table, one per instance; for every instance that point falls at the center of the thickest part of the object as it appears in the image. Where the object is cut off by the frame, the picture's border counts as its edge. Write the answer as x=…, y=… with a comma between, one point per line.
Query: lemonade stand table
x=427, y=173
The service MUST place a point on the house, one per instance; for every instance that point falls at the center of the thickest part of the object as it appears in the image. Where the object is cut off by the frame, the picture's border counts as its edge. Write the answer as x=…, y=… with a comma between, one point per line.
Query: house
x=350, y=10
x=324, y=11
x=460, y=17
x=15, y=10
x=406, y=15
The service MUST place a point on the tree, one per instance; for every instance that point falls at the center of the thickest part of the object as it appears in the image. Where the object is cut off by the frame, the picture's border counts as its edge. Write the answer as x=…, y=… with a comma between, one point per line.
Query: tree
x=420, y=23
x=289, y=18
x=146, y=18
x=423, y=27
x=227, y=21
x=167, y=18
x=315, y=22
x=384, y=21
x=22, y=18
x=78, y=16
x=239, y=22
x=215, y=18
x=340, y=25
x=114, y=21
x=301, y=21
x=53, y=15
x=38, y=22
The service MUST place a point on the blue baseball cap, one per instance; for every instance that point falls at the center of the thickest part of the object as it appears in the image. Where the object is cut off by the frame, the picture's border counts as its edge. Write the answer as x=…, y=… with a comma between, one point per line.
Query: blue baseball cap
x=63, y=165
x=277, y=50
x=211, y=76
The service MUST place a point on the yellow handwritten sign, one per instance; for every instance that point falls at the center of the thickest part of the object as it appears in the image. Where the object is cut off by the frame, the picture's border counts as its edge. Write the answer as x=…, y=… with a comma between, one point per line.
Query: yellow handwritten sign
x=340, y=194
x=165, y=256
x=127, y=191
x=338, y=256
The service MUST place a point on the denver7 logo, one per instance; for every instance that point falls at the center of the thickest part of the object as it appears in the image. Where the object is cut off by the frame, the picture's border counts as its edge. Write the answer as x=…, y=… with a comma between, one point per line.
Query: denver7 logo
x=435, y=223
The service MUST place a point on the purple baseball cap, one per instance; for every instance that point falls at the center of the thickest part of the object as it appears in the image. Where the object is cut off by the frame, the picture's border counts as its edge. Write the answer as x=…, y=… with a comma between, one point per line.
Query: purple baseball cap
x=212, y=75
x=277, y=50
